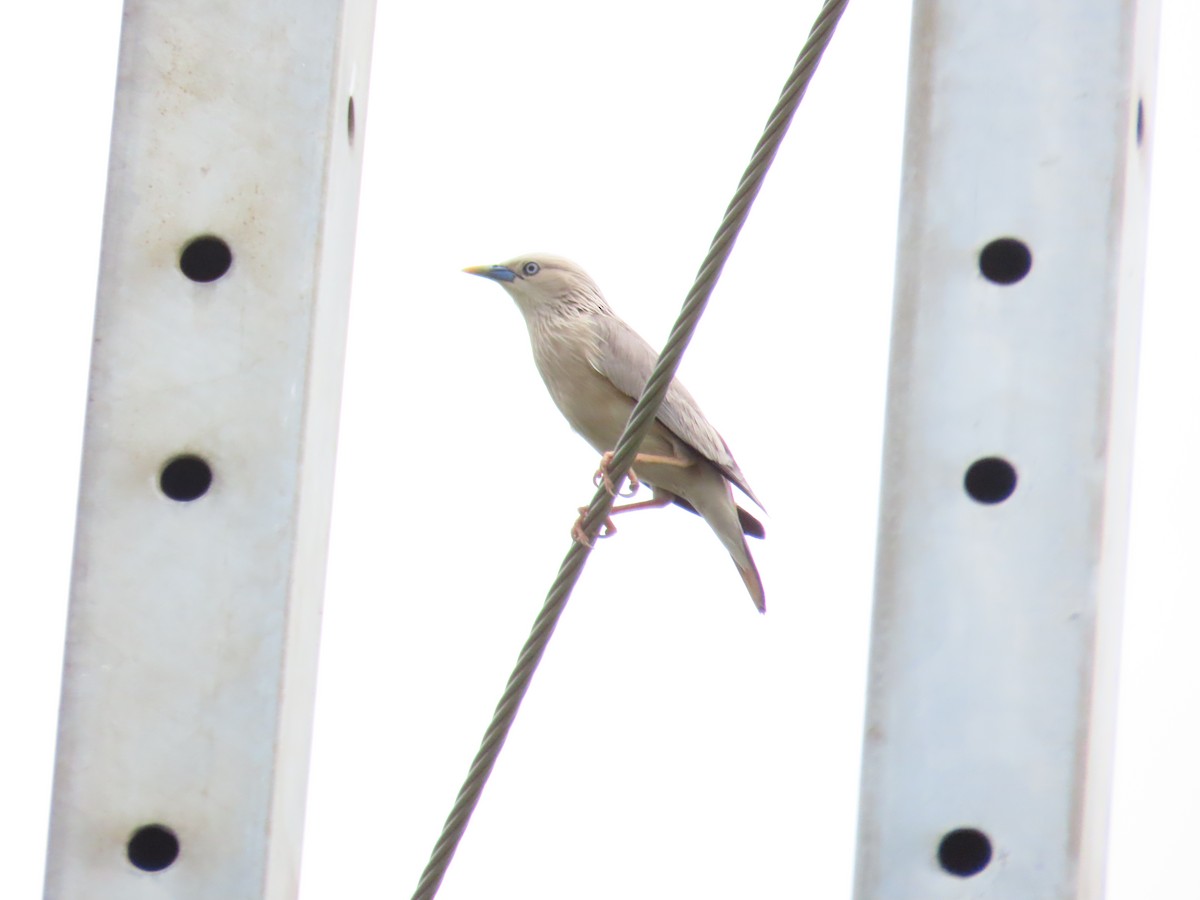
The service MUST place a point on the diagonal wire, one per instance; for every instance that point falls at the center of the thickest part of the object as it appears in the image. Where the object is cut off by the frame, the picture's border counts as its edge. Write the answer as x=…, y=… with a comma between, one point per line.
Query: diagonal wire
x=635, y=430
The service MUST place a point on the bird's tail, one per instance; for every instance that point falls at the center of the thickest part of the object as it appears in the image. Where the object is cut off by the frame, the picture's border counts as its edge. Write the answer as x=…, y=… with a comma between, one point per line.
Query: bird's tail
x=749, y=573
x=750, y=525
x=714, y=502
x=710, y=496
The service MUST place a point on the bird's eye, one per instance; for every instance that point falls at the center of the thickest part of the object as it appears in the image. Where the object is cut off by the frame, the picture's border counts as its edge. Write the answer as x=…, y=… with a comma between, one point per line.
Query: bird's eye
x=531, y=268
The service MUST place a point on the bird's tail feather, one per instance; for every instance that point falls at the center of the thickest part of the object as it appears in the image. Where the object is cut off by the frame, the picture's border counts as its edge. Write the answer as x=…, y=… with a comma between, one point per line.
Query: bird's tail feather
x=750, y=525
x=754, y=585
x=711, y=497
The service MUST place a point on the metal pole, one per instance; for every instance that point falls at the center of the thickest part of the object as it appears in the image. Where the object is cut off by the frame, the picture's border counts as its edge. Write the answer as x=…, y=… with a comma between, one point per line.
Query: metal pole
x=990, y=721
x=209, y=449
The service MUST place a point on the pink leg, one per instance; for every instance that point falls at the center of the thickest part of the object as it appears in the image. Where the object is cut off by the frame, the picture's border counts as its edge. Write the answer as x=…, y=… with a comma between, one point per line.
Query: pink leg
x=679, y=462
x=658, y=502
x=608, y=529
x=602, y=476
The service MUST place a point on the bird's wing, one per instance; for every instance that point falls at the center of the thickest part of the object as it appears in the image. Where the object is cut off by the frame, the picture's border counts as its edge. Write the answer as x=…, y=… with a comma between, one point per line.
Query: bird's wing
x=624, y=358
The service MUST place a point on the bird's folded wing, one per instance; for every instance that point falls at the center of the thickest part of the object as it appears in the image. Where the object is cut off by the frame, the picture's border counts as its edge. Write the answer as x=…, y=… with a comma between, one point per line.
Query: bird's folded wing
x=624, y=358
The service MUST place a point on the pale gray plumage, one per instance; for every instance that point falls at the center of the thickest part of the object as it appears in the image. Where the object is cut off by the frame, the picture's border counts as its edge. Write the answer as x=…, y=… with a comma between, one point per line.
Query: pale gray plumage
x=595, y=367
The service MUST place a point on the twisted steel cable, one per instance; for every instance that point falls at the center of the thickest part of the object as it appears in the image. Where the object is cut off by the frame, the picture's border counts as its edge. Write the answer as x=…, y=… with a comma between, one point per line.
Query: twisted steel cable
x=639, y=425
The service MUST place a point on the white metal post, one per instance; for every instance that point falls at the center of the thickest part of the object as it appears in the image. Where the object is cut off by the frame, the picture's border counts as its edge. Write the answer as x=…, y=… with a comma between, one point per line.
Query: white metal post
x=209, y=449
x=989, y=731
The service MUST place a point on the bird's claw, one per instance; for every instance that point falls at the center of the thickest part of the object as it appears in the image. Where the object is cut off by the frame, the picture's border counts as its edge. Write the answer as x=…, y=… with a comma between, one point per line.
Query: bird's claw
x=608, y=529
x=633, y=485
x=602, y=477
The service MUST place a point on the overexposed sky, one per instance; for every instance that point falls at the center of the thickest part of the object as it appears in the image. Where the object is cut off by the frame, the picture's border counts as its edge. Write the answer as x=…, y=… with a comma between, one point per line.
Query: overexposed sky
x=674, y=743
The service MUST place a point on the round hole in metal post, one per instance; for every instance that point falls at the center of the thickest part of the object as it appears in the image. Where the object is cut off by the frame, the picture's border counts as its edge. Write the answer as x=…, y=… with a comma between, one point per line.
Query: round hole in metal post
x=990, y=480
x=152, y=848
x=185, y=478
x=205, y=258
x=964, y=852
x=1005, y=260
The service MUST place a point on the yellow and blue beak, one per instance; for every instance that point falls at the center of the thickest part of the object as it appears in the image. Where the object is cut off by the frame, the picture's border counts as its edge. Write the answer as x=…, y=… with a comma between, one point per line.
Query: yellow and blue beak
x=496, y=273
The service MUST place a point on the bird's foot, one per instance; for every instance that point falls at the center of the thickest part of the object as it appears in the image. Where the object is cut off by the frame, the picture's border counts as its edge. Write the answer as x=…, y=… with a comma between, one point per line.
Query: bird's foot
x=602, y=477
x=608, y=529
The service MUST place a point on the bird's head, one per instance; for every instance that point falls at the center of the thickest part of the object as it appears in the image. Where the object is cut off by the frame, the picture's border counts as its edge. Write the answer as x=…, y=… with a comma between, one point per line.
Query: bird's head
x=542, y=284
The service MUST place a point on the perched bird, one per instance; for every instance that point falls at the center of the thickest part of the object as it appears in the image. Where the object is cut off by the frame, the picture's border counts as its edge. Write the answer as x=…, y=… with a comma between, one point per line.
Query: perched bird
x=595, y=367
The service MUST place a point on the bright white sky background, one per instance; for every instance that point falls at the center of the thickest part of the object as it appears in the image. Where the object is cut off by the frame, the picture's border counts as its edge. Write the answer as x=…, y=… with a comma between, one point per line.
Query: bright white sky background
x=674, y=742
